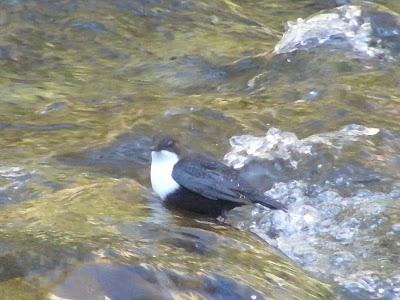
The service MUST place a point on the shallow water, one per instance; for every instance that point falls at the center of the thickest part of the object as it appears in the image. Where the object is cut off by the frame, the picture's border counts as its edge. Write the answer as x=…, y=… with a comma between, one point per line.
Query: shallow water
x=310, y=115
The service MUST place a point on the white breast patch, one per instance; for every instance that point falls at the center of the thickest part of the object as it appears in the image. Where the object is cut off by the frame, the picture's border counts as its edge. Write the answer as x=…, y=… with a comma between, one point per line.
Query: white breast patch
x=162, y=163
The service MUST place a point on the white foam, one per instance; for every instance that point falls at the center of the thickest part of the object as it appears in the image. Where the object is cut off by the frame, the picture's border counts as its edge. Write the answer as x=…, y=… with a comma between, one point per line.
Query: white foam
x=345, y=22
x=343, y=236
x=275, y=144
x=286, y=145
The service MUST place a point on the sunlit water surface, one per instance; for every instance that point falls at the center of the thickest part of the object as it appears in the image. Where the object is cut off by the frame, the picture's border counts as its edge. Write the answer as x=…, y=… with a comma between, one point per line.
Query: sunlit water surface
x=308, y=110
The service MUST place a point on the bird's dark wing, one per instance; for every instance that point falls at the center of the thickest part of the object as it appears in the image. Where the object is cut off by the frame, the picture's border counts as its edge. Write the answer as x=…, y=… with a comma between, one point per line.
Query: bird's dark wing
x=210, y=179
x=214, y=180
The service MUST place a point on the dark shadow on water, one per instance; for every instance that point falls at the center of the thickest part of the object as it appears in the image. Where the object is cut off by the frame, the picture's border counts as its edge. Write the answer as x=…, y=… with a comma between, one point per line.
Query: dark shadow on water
x=127, y=156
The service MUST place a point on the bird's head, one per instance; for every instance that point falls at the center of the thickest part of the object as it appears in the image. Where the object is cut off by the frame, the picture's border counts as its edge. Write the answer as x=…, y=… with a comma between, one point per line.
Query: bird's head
x=165, y=143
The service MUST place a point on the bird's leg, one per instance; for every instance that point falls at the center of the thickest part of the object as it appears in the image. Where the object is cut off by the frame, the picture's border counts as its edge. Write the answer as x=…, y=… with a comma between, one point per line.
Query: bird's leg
x=221, y=219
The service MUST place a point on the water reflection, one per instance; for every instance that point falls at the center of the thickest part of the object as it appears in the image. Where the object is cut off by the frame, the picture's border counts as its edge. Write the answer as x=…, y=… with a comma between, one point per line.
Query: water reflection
x=86, y=84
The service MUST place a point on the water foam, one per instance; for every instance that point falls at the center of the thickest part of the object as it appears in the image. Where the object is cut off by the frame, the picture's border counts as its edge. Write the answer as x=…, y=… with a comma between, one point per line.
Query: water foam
x=348, y=238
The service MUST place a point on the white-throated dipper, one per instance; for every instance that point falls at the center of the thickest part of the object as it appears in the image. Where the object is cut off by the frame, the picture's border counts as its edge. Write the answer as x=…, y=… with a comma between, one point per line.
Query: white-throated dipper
x=200, y=184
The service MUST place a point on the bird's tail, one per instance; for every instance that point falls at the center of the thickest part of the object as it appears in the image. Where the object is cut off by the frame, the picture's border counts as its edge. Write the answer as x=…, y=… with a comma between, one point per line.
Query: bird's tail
x=271, y=203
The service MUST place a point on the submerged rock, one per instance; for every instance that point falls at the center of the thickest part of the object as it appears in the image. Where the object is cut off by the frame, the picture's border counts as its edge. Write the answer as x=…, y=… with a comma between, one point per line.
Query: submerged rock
x=118, y=281
x=128, y=156
x=91, y=26
x=38, y=127
x=187, y=73
x=104, y=239
x=19, y=184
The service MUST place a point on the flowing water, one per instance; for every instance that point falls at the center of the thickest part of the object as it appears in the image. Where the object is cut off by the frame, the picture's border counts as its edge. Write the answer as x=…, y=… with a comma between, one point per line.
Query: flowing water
x=302, y=96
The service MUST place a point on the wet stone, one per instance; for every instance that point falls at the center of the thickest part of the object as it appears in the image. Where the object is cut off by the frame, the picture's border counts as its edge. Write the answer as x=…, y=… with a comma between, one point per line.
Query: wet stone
x=118, y=281
x=187, y=73
x=369, y=285
x=18, y=184
x=39, y=127
x=384, y=24
x=342, y=259
x=5, y=53
x=151, y=8
x=92, y=26
x=26, y=255
x=396, y=228
x=53, y=107
x=203, y=71
x=128, y=155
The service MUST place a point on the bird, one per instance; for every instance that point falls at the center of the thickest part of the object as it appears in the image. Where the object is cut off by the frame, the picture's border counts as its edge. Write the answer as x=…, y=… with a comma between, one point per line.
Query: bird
x=200, y=184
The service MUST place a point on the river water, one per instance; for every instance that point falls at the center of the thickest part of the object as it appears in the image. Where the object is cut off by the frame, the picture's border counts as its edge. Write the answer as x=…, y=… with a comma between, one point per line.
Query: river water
x=302, y=96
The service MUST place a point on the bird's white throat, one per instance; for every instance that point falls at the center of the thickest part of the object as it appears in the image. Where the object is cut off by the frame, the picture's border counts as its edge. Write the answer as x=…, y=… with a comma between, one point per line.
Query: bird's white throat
x=162, y=163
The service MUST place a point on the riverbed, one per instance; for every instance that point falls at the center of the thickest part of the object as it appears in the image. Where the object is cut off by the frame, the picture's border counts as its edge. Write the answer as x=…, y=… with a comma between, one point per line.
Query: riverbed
x=303, y=97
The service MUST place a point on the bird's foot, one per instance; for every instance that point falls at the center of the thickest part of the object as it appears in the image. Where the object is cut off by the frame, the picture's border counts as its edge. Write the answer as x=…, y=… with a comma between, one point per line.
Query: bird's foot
x=221, y=220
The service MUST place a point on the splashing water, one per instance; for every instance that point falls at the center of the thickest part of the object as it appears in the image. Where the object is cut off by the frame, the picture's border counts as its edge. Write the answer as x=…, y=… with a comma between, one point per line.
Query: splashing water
x=280, y=144
x=344, y=26
x=349, y=238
